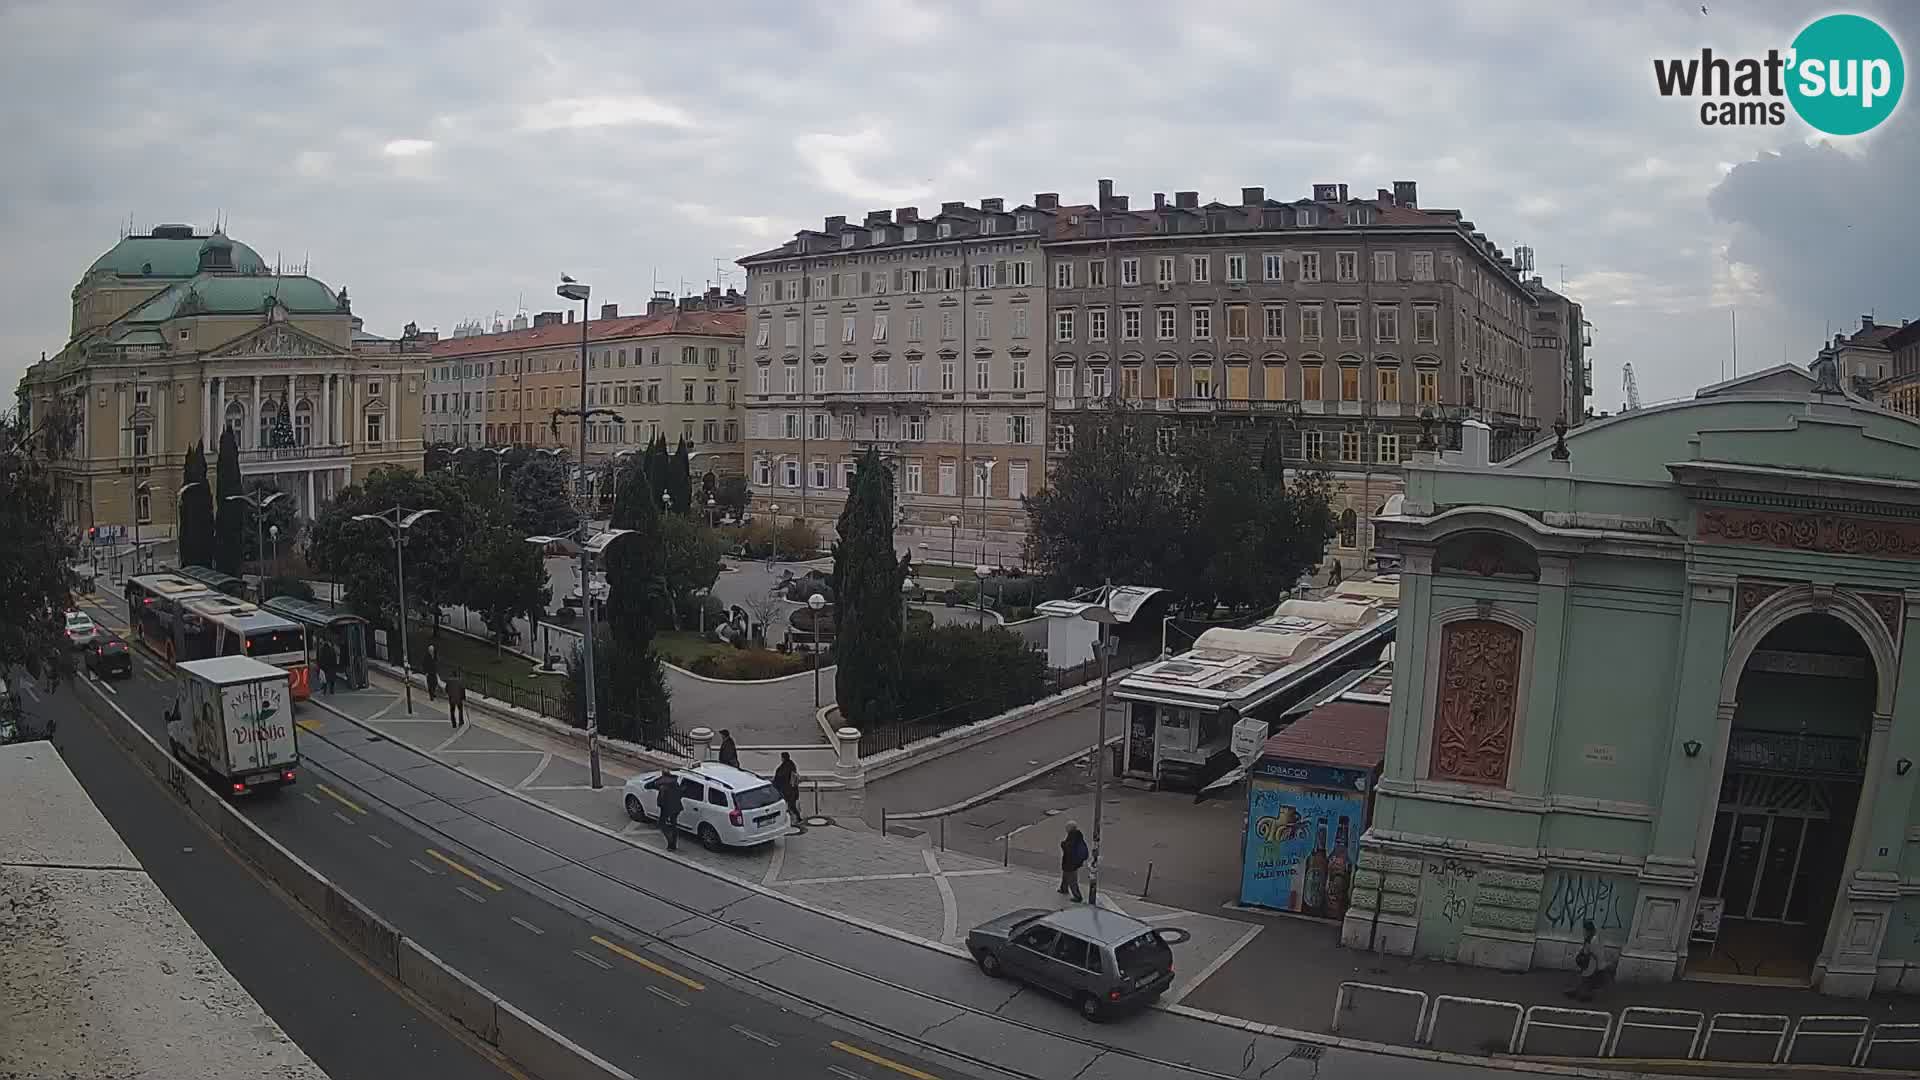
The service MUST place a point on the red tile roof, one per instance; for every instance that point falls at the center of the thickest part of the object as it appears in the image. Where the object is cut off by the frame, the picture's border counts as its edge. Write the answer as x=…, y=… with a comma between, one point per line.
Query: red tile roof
x=704, y=323
x=1344, y=734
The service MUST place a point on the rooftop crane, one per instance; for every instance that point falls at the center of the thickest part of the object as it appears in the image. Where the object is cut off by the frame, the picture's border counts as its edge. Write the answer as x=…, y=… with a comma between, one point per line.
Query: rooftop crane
x=1632, y=387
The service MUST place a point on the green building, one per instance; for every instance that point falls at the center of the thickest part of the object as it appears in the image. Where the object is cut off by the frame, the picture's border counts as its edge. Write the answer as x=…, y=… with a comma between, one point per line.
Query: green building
x=1653, y=677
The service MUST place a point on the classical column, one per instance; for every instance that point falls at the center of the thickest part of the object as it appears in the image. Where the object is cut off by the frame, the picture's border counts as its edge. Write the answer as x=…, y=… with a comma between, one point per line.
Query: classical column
x=253, y=421
x=206, y=411
x=312, y=507
x=324, y=421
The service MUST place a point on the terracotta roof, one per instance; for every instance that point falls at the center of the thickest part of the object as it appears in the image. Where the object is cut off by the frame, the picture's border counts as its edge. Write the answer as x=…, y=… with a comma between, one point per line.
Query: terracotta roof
x=1875, y=335
x=704, y=323
x=1903, y=336
x=1344, y=734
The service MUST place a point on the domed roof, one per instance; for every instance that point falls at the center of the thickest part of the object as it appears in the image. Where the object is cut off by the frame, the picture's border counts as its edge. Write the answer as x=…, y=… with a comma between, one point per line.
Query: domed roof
x=172, y=251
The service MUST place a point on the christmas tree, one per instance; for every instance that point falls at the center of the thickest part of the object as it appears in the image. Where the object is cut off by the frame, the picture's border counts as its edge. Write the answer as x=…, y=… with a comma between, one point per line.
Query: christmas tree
x=282, y=433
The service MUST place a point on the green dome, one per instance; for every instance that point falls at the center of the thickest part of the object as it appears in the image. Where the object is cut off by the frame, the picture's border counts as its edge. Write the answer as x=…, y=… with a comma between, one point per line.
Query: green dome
x=171, y=251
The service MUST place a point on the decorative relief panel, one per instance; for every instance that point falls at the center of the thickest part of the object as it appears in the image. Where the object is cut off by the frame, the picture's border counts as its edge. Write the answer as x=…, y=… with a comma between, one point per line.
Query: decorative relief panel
x=1750, y=595
x=1826, y=533
x=1890, y=609
x=1478, y=695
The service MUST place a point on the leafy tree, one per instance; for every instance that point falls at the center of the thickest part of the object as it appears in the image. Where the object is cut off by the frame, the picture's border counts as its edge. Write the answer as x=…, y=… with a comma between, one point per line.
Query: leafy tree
x=732, y=493
x=634, y=578
x=690, y=562
x=196, y=510
x=230, y=516
x=359, y=554
x=541, y=506
x=33, y=561
x=680, y=479
x=960, y=674
x=1110, y=512
x=867, y=576
x=505, y=576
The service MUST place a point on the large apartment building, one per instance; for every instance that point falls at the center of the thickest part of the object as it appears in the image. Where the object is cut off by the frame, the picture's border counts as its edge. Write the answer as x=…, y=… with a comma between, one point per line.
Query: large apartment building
x=1562, y=373
x=673, y=371
x=1331, y=322
x=921, y=338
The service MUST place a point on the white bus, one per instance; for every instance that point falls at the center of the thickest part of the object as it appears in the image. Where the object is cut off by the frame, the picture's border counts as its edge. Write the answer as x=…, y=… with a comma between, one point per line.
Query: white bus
x=220, y=625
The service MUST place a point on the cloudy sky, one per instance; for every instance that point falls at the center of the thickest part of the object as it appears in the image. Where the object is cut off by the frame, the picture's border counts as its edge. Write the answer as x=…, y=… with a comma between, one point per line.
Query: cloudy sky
x=447, y=160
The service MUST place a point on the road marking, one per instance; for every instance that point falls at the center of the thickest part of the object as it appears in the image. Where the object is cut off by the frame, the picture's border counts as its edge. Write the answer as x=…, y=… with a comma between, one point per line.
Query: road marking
x=844, y=1074
x=28, y=690
x=659, y=993
x=379, y=841
x=754, y=1035
x=308, y=725
x=344, y=819
x=341, y=799
x=462, y=869
x=594, y=960
x=310, y=797
x=104, y=685
x=423, y=867
x=883, y=1062
x=1187, y=987
x=657, y=969
x=525, y=925
x=470, y=894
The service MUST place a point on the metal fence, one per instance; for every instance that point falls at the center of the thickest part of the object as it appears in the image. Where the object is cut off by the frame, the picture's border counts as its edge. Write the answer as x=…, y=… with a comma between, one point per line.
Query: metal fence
x=1485, y=1026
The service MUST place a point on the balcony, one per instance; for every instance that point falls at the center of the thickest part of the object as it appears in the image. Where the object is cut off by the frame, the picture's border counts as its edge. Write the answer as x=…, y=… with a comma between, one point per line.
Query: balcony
x=267, y=455
x=1796, y=754
x=853, y=398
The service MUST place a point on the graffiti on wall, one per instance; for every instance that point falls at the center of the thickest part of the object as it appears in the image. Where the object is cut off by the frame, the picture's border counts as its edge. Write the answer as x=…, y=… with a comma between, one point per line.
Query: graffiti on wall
x=1453, y=880
x=1575, y=897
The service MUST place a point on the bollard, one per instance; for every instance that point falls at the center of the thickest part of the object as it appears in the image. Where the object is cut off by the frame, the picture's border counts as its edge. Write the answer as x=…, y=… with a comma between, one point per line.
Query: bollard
x=883, y=821
x=943, y=832
x=701, y=739
x=1006, y=849
x=816, y=798
x=1149, y=885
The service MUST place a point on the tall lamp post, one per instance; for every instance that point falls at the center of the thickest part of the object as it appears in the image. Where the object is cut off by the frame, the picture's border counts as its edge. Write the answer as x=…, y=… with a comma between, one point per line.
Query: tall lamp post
x=712, y=504
x=980, y=589
x=773, y=536
x=398, y=520
x=815, y=603
x=259, y=500
x=1103, y=615
x=953, y=539
x=593, y=547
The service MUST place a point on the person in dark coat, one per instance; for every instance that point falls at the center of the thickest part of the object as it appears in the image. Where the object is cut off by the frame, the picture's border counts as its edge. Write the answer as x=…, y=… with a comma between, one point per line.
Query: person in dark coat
x=430, y=667
x=457, y=700
x=786, y=781
x=668, y=785
x=329, y=665
x=729, y=753
x=1073, y=856
x=1586, y=963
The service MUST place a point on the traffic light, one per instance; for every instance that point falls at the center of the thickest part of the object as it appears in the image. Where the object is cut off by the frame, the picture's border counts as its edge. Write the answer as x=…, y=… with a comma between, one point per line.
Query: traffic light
x=93, y=531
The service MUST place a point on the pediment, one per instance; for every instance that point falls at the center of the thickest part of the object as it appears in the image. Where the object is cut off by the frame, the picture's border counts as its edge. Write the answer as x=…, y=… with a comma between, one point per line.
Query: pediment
x=279, y=339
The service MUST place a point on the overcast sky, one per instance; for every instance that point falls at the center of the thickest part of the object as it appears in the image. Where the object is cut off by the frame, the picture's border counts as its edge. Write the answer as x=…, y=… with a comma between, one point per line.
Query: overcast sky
x=447, y=160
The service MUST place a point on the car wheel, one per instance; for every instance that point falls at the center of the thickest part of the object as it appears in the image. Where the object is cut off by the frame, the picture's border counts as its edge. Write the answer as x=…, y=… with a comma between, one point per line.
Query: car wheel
x=635, y=809
x=1090, y=1008
x=709, y=839
x=989, y=964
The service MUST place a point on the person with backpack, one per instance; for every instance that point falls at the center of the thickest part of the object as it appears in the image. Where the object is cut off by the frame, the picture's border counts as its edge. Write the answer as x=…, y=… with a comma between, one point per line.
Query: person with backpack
x=668, y=785
x=1073, y=856
x=1586, y=963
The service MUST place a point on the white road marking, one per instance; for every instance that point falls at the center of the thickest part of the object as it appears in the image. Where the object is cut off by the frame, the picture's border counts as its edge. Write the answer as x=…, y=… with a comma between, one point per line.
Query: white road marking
x=424, y=868
x=546, y=759
x=470, y=894
x=774, y=864
x=844, y=1074
x=525, y=925
x=28, y=690
x=663, y=995
x=343, y=818
x=594, y=960
x=949, y=907
x=754, y=1035
x=379, y=841
x=310, y=797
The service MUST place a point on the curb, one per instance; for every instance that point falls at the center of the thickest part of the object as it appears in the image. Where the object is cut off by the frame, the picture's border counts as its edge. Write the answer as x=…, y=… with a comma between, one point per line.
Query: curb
x=992, y=793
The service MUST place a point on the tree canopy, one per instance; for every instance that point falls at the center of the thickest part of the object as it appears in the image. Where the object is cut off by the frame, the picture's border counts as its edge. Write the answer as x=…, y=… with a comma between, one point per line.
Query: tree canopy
x=540, y=503
x=634, y=584
x=359, y=554
x=867, y=576
x=230, y=515
x=33, y=562
x=680, y=479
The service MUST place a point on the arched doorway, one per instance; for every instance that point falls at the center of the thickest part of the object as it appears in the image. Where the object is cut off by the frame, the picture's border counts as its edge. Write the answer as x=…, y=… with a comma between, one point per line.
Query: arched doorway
x=1783, y=823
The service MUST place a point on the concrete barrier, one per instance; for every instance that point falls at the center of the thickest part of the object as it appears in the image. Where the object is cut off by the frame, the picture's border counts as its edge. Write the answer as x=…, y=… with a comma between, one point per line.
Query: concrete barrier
x=281, y=866
x=547, y=1053
x=449, y=991
x=369, y=934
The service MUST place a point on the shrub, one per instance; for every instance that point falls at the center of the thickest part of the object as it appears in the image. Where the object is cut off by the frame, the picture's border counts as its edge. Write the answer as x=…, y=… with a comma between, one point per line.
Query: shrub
x=965, y=673
x=748, y=664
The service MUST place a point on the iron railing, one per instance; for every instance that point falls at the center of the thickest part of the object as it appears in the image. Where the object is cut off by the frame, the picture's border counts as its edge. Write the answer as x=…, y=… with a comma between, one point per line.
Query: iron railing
x=1796, y=753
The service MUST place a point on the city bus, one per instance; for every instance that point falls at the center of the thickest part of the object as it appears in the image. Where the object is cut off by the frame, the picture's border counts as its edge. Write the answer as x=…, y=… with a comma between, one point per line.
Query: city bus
x=220, y=625
x=215, y=580
x=347, y=631
x=154, y=613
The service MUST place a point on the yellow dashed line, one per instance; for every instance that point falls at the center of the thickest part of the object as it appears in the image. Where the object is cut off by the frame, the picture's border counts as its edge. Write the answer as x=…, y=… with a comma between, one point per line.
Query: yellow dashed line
x=451, y=865
x=308, y=725
x=883, y=1062
x=657, y=969
x=341, y=799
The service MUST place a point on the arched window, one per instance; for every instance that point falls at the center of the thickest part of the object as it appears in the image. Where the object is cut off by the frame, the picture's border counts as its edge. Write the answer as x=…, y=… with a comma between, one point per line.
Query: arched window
x=1349, y=528
x=236, y=419
x=269, y=412
x=303, y=423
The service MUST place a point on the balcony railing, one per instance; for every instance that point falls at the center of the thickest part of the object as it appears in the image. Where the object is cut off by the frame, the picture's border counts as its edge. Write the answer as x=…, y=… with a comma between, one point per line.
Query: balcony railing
x=1796, y=754
x=877, y=397
x=290, y=453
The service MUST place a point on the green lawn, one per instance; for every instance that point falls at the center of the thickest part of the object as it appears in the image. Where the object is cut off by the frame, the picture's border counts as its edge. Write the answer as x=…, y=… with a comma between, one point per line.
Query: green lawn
x=683, y=647
x=480, y=658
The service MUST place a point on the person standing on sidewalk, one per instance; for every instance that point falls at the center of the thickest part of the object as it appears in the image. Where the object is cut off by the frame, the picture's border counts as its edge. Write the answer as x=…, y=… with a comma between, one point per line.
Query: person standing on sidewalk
x=786, y=781
x=668, y=785
x=1073, y=856
x=430, y=666
x=329, y=665
x=457, y=700
x=729, y=753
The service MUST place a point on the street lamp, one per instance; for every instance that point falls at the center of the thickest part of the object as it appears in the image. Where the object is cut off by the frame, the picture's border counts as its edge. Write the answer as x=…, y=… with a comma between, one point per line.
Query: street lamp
x=712, y=504
x=1103, y=614
x=953, y=539
x=259, y=500
x=980, y=589
x=595, y=546
x=273, y=533
x=816, y=602
x=399, y=520
x=773, y=536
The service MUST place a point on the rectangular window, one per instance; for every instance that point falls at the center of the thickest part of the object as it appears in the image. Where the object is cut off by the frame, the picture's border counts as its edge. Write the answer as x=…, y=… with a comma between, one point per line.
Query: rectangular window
x=880, y=328
x=1309, y=266
x=847, y=330
x=376, y=427
x=1236, y=268
x=982, y=324
x=791, y=474
x=819, y=330
x=983, y=276
x=1020, y=274
x=816, y=425
x=1386, y=325
x=849, y=377
x=1203, y=383
x=1168, y=323
x=1423, y=266
x=762, y=472
x=1427, y=384
x=1017, y=430
x=1096, y=324
x=1097, y=387
x=1275, y=379
x=1130, y=324
x=916, y=279
x=913, y=477
x=792, y=378
x=1346, y=265
x=1310, y=376
x=1389, y=380
x=882, y=428
x=982, y=428
x=1313, y=445
x=1237, y=319
x=1063, y=382
x=1163, y=382
x=819, y=380
x=1020, y=321
x=1383, y=266
x=820, y=475
x=1130, y=383
x=914, y=381
x=1349, y=322
x=792, y=328
x=1130, y=272
x=1349, y=446
x=1096, y=273
x=913, y=428
x=946, y=376
x=1164, y=270
x=1271, y=268
x=880, y=378
x=947, y=473
x=1062, y=437
x=1426, y=325
x=1200, y=269
x=1388, y=448
x=1349, y=382
x=1016, y=479
x=1063, y=325
x=1019, y=374
x=686, y=392
x=946, y=326
x=982, y=374
x=1063, y=275
x=1202, y=324
x=1275, y=322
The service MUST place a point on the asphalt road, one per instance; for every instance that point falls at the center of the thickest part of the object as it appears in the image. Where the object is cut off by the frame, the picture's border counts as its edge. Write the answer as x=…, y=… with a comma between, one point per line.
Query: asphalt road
x=349, y=1020
x=593, y=982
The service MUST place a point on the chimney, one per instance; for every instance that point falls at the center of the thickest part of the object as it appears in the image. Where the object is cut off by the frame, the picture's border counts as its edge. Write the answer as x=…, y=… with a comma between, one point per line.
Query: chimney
x=1476, y=443
x=1106, y=194
x=1120, y=203
x=1326, y=192
x=1047, y=200
x=879, y=217
x=1343, y=193
x=907, y=215
x=661, y=304
x=713, y=292
x=1866, y=322
x=609, y=311
x=569, y=316
x=1252, y=196
x=546, y=318
x=993, y=206
x=836, y=223
x=1406, y=193
x=1383, y=197
x=1186, y=200
x=1159, y=200
x=952, y=207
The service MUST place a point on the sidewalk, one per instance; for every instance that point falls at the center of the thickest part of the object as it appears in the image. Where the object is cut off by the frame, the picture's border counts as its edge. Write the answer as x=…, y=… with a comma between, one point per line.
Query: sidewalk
x=1001, y=760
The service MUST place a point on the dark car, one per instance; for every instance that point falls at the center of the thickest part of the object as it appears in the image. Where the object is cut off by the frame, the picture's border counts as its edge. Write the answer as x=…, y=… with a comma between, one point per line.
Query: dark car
x=108, y=657
x=1102, y=961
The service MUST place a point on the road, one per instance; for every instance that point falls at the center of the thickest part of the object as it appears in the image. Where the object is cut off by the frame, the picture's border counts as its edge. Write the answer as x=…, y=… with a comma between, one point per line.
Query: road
x=594, y=981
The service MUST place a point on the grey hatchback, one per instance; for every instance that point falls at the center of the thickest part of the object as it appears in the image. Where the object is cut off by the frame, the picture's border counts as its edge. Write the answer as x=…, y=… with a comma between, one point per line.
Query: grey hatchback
x=1100, y=960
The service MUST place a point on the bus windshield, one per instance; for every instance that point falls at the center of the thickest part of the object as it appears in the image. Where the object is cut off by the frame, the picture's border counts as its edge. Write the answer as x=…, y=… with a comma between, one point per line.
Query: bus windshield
x=262, y=643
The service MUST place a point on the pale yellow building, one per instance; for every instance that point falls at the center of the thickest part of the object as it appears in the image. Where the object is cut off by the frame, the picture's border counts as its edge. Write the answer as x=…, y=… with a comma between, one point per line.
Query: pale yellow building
x=177, y=335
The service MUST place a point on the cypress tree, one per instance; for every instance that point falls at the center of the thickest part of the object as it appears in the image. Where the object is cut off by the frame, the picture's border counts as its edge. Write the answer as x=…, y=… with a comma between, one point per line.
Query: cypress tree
x=230, y=517
x=196, y=510
x=633, y=575
x=867, y=576
x=680, y=479
x=655, y=460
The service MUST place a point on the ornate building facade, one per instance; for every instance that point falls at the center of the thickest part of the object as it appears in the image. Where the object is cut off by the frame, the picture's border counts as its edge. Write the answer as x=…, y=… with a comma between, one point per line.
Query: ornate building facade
x=177, y=336
x=1653, y=680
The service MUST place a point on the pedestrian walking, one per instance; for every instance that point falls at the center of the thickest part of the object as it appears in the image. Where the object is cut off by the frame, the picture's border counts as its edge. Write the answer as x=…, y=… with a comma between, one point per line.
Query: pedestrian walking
x=1073, y=856
x=668, y=785
x=457, y=700
x=430, y=665
x=1586, y=963
x=786, y=781
x=729, y=753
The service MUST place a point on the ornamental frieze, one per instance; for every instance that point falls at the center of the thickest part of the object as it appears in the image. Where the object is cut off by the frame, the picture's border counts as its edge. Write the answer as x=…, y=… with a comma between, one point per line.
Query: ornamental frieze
x=1829, y=534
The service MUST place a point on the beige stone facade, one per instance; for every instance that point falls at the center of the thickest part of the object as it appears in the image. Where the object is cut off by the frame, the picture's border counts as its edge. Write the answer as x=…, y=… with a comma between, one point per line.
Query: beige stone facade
x=177, y=335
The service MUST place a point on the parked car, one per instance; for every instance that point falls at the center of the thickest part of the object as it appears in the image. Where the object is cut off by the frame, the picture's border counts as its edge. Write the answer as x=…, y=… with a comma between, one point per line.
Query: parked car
x=1101, y=961
x=722, y=805
x=108, y=657
x=81, y=632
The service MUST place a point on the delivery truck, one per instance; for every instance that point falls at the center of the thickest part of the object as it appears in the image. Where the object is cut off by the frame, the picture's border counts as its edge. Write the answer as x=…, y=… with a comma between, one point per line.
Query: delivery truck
x=232, y=719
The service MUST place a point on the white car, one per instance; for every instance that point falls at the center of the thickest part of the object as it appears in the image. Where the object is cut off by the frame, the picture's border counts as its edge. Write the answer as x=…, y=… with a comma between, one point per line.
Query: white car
x=80, y=630
x=722, y=805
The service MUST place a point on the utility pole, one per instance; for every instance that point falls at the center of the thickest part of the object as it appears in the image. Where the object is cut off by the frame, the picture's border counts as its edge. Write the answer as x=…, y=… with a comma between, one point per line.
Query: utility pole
x=1105, y=617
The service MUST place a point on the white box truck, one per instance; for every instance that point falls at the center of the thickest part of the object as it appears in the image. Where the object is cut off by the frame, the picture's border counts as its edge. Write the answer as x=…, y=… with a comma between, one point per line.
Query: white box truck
x=233, y=720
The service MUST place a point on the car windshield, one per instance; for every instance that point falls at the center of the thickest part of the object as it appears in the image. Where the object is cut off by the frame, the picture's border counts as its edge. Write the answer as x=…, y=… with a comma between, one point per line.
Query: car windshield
x=754, y=798
x=78, y=622
x=1143, y=954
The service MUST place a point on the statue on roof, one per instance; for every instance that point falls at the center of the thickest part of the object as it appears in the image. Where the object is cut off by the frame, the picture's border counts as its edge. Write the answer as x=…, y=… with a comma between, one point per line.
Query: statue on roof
x=1826, y=374
x=341, y=300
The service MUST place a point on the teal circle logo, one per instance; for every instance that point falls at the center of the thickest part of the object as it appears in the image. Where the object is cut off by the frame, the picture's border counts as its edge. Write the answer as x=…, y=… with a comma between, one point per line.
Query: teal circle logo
x=1847, y=74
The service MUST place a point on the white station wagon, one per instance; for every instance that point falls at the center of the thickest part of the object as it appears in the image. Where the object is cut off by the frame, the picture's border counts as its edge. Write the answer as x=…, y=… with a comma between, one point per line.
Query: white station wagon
x=722, y=805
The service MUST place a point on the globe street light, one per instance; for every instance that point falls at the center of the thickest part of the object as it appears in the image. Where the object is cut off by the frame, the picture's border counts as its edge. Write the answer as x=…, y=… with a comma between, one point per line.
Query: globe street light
x=711, y=505
x=399, y=520
x=816, y=602
x=773, y=536
x=980, y=588
x=259, y=500
x=953, y=539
